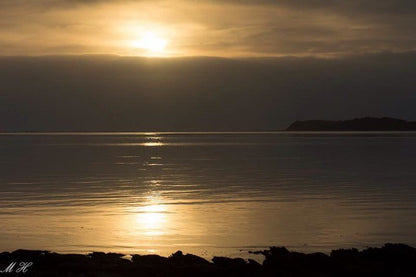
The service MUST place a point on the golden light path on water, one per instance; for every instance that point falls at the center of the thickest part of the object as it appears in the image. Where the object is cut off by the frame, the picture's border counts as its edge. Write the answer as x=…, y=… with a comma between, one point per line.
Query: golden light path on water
x=152, y=217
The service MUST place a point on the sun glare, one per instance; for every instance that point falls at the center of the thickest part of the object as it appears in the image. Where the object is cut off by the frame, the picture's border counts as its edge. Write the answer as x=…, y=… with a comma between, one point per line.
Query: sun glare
x=150, y=41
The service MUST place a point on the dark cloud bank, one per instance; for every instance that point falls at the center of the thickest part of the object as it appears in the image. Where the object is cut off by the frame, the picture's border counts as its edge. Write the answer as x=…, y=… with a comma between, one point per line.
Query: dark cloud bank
x=109, y=93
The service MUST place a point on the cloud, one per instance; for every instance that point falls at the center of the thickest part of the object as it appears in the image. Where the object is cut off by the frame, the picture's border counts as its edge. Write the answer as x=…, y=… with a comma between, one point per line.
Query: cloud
x=211, y=27
x=342, y=6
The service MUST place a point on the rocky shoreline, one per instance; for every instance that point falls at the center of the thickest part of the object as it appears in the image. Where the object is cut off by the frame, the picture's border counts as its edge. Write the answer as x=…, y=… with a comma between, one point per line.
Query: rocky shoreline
x=389, y=260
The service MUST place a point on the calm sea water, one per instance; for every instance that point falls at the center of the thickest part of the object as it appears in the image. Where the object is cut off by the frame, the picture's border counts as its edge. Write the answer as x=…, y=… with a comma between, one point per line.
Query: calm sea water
x=206, y=193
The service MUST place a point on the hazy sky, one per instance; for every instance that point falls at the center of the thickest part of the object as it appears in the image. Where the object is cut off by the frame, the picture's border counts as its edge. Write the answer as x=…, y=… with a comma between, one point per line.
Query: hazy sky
x=232, y=65
x=99, y=93
x=227, y=28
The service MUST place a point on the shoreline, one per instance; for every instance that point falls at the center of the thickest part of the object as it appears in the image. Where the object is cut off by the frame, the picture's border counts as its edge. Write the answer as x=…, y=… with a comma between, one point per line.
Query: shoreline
x=389, y=260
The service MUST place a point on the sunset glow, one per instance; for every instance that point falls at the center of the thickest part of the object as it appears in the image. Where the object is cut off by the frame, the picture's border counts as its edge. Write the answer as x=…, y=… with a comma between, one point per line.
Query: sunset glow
x=151, y=42
x=207, y=138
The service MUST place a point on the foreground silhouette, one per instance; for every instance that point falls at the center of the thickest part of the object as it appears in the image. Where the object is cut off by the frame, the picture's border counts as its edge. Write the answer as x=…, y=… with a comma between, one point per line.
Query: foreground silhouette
x=390, y=260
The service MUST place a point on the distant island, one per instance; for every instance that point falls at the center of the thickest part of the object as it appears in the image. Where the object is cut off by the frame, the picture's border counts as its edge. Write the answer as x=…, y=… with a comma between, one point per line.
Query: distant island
x=357, y=124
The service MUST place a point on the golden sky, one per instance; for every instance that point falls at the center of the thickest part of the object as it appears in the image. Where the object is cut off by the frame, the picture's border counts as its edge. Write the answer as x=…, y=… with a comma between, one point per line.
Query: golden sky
x=229, y=28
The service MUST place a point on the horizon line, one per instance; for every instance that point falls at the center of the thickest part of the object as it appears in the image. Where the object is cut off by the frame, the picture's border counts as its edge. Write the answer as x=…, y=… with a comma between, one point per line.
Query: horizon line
x=150, y=133
x=274, y=56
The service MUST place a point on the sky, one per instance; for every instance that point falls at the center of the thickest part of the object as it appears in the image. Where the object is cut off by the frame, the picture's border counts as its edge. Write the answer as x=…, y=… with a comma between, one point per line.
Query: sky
x=115, y=93
x=193, y=65
x=230, y=28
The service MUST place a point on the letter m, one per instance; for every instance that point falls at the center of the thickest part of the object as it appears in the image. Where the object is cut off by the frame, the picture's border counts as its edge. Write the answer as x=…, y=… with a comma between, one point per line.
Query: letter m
x=9, y=269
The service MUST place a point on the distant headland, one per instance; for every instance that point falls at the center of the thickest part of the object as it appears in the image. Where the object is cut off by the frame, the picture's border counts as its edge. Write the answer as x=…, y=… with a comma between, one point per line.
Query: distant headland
x=357, y=124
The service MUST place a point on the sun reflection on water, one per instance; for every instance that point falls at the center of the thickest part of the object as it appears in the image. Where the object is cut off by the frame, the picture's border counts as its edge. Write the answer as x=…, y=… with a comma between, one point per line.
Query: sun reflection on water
x=153, y=141
x=153, y=144
x=152, y=217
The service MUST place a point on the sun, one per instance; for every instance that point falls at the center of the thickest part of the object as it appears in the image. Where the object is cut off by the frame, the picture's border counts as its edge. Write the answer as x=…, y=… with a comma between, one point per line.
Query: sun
x=151, y=42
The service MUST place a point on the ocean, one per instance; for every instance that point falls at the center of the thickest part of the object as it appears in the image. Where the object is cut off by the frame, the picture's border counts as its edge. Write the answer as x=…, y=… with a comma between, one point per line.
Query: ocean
x=206, y=193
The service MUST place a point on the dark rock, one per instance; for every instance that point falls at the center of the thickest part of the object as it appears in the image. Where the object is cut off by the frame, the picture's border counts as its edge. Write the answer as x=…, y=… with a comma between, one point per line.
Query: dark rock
x=150, y=260
x=228, y=262
x=253, y=263
x=396, y=260
x=179, y=259
x=349, y=255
